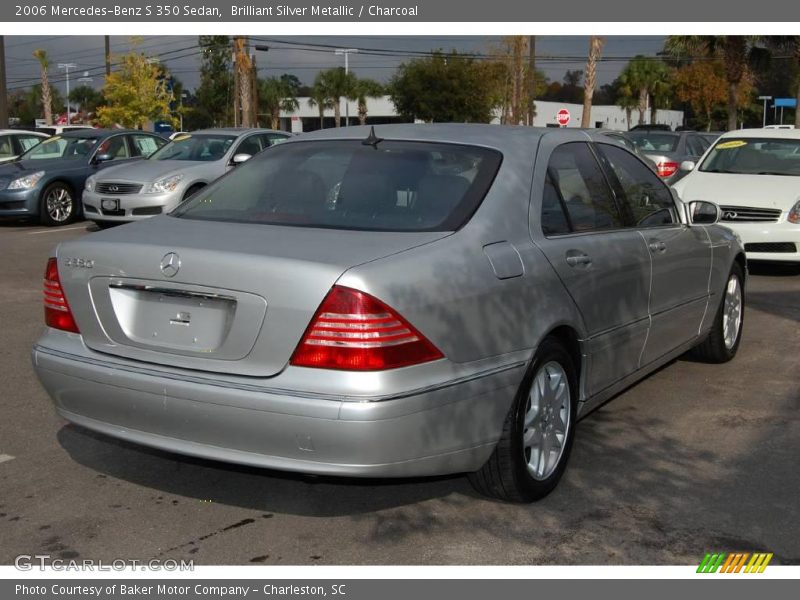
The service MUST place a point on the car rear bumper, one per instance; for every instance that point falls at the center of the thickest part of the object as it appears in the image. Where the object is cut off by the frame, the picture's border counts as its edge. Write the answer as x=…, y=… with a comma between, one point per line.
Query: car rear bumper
x=132, y=207
x=443, y=429
x=769, y=241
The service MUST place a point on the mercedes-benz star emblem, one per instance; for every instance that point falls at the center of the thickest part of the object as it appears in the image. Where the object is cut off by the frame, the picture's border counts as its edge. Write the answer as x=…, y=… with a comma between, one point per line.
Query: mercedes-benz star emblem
x=170, y=264
x=113, y=188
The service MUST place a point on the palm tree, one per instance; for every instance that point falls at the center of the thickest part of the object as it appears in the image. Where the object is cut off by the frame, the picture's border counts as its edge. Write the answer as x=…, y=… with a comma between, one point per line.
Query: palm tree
x=338, y=83
x=44, y=64
x=276, y=95
x=644, y=77
x=320, y=98
x=736, y=52
x=595, y=47
x=363, y=89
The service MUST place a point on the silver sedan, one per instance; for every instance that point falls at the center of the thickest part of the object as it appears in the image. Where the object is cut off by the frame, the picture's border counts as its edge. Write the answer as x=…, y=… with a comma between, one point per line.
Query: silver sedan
x=401, y=301
x=171, y=174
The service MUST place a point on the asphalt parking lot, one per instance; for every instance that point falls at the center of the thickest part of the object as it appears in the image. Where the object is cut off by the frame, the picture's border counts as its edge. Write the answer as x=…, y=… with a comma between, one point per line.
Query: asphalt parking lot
x=695, y=458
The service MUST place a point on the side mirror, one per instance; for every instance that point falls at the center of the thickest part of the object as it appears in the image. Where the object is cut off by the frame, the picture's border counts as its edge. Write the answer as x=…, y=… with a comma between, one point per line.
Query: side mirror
x=704, y=213
x=100, y=158
x=240, y=158
x=688, y=165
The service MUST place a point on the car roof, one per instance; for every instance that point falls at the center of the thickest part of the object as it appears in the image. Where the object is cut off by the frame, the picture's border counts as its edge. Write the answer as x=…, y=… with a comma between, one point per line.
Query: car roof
x=237, y=131
x=23, y=131
x=763, y=133
x=100, y=133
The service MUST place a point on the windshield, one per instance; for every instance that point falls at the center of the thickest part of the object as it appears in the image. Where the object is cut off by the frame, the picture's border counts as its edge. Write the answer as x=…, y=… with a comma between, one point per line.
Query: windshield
x=754, y=156
x=61, y=147
x=391, y=186
x=202, y=147
x=652, y=141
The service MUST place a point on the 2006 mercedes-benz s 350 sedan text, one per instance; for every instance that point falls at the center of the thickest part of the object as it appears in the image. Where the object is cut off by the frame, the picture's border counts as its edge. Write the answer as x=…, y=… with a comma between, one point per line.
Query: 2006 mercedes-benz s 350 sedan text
x=407, y=300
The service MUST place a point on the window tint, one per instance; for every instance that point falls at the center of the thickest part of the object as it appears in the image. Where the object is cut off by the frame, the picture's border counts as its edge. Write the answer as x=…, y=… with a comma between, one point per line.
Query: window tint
x=647, y=198
x=392, y=186
x=583, y=188
x=250, y=145
x=145, y=145
x=554, y=220
x=6, y=147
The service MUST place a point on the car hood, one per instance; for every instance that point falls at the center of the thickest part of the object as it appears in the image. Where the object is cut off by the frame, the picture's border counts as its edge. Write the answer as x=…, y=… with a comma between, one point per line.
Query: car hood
x=762, y=191
x=148, y=171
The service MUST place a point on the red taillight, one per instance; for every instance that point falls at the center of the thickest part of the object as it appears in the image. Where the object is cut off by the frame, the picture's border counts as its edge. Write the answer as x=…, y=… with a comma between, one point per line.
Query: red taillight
x=56, y=310
x=353, y=331
x=665, y=169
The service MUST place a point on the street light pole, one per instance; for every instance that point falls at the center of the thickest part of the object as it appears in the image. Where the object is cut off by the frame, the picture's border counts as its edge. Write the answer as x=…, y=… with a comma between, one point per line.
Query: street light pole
x=765, y=99
x=346, y=52
x=67, y=67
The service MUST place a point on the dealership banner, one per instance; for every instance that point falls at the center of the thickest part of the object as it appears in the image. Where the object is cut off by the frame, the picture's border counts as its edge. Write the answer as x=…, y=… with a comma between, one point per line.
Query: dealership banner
x=398, y=589
x=409, y=11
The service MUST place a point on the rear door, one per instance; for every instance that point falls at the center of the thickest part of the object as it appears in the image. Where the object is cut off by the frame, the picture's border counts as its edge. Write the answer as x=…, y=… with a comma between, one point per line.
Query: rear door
x=681, y=255
x=604, y=266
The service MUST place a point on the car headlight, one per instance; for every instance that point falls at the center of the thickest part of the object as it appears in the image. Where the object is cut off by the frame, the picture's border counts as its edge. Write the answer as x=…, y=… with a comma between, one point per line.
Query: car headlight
x=26, y=182
x=794, y=214
x=168, y=184
x=90, y=184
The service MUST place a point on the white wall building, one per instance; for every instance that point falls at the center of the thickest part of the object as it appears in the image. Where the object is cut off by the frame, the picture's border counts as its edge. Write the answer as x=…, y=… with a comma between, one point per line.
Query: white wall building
x=381, y=110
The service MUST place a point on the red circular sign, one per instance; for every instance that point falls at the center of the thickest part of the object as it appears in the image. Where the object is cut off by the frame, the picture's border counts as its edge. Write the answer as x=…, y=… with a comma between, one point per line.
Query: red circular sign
x=562, y=117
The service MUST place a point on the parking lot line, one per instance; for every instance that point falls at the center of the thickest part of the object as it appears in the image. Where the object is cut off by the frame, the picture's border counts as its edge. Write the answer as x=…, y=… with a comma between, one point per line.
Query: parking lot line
x=5, y=458
x=55, y=229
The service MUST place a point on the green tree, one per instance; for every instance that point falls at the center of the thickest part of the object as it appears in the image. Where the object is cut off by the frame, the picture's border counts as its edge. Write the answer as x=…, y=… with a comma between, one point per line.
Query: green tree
x=736, y=52
x=443, y=87
x=277, y=94
x=644, y=78
x=319, y=97
x=135, y=94
x=337, y=84
x=362, y=90
x=44, y=65
x=215, y=92
x=86, y=97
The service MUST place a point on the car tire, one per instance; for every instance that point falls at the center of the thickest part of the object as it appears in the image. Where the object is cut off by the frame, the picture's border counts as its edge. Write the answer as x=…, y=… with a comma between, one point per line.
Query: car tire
x=192, y=191
x=723, y=340
x=57, y=205
x=516, y=472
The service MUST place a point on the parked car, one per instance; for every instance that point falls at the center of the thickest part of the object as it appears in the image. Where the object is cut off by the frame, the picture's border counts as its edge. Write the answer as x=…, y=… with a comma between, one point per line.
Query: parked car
x=187, y=164
x=14, y=142
x=407, y=300
x=754, y=175
x=669, y=149
x=652, y=127
x=59, y=129
x=626, y=141
x=47, y=180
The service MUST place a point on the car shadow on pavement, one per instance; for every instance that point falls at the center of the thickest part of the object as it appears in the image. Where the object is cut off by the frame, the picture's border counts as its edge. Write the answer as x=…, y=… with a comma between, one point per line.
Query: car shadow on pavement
x=773, y=269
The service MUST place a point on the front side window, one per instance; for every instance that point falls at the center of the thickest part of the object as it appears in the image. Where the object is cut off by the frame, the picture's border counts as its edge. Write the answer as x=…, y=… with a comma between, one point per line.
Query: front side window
x=202, y=147
x=27, y=142
x=6, y=147
x=61, y=147
x=582, y=188
x=754, y=156
x=115, y=147
x=346, y=184
x=145, y=145
x=646, y=197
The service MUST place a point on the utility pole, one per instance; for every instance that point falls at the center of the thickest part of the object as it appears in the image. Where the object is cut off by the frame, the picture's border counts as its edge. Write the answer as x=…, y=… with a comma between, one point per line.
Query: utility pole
x=3, y=92
x=346, y=52
x=108, y=55
x=532, y=79
x=67, y=67
x=765, y=99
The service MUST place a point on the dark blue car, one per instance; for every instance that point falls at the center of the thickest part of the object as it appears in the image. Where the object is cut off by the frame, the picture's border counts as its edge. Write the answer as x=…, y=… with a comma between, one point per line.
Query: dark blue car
x=47, y=181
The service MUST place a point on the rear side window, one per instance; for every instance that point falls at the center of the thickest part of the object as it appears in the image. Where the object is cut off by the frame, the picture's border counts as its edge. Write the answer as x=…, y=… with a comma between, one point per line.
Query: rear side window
x=582, y=189
x=648, y=199
x=344, y=184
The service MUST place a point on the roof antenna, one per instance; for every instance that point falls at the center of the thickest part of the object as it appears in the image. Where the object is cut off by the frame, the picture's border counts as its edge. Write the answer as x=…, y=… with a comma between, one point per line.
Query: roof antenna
x=372, y=139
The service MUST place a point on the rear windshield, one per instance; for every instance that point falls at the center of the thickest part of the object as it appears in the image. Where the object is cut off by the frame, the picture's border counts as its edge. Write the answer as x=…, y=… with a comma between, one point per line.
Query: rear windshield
x=653, y=141
x=391, y=186
x=754, y=156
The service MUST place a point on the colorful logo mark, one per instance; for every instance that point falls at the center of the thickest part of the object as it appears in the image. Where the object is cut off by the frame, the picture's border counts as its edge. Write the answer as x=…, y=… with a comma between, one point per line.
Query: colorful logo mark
x=734, y=562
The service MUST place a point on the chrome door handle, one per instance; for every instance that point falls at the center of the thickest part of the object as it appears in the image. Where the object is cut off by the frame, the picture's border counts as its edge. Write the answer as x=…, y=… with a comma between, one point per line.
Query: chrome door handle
x=657, y=247
x=580, y=259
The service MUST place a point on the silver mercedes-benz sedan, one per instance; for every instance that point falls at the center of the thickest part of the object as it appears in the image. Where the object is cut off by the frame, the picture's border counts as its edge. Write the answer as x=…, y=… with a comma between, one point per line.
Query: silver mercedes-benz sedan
x=405, y=301
x=171, y=173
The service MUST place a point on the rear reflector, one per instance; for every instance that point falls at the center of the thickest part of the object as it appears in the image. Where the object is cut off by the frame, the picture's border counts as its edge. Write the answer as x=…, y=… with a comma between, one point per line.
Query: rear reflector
x=354, y=331
x=666, y=169
x=57, y=313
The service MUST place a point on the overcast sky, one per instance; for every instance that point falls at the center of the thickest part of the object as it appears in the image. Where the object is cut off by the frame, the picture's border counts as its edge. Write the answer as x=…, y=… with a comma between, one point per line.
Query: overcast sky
x=303, y=56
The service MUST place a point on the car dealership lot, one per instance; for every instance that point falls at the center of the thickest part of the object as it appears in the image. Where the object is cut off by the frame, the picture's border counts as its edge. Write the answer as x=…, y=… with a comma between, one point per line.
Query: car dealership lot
x=694, y=458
